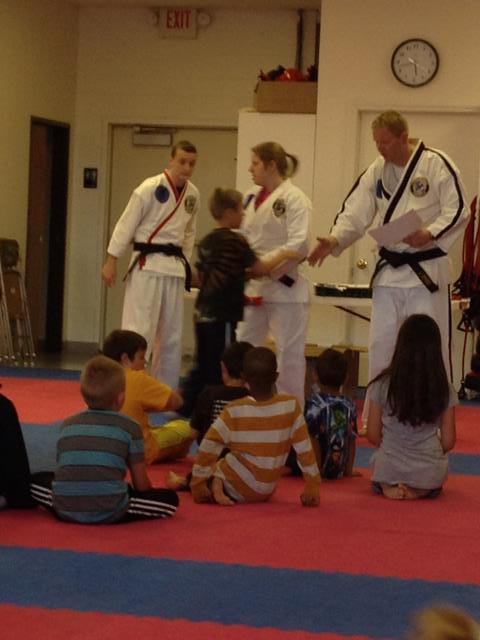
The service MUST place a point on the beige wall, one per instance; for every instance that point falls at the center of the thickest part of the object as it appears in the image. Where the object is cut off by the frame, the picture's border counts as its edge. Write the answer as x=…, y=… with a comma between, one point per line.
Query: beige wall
x=38, y=54
x=355, y=51
x=128, y=74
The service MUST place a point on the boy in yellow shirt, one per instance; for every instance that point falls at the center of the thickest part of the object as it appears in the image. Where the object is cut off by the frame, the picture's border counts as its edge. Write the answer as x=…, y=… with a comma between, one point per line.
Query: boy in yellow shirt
x=144, y=394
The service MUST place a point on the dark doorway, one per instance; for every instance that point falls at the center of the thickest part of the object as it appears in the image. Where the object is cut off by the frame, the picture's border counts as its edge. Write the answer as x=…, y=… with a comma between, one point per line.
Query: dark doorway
x=46, y=232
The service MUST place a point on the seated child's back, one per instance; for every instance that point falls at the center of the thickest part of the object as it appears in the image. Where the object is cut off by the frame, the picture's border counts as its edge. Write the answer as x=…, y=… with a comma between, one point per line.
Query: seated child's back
x=332, y=417
x=258, y=430
x=95, y=450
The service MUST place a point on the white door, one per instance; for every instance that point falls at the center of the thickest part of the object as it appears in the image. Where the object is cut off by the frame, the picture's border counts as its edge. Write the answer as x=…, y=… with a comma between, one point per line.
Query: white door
x=131, y=164
x=455, y=133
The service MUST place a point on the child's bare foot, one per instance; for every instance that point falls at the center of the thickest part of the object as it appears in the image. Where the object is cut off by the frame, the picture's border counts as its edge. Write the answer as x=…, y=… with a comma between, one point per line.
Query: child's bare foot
x=413, y=494
x=176, y=482
x=393, y=491
x=219, y=494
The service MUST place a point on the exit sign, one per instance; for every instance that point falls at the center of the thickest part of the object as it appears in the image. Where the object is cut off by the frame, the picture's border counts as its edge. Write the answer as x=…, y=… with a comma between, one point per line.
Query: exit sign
x=178, y=23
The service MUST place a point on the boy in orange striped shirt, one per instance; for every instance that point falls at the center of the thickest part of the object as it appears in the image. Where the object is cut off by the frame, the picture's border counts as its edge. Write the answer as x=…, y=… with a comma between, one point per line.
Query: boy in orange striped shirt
x=258, y=431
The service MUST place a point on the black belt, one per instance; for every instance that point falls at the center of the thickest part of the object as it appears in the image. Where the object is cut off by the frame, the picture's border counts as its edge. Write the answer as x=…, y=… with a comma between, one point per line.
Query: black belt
x=145, y=248
x=397, y=259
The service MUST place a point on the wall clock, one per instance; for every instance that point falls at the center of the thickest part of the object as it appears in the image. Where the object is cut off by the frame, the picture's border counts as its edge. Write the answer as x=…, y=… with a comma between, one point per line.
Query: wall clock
x=415, y=62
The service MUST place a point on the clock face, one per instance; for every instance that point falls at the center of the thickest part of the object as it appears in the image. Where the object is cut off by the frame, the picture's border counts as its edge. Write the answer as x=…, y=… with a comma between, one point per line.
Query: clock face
x=415, y=62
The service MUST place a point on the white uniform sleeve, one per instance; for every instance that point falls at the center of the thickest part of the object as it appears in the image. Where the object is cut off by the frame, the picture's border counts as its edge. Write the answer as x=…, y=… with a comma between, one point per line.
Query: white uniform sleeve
x=299, y=217
x=124, y=232
x=454, y=214
x=357, y=213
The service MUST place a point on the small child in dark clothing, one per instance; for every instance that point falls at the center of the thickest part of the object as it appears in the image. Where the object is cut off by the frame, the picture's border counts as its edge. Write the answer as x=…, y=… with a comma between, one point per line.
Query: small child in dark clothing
x=224, y=261
x=14, y=467
x=332, y=417
x=213, y=399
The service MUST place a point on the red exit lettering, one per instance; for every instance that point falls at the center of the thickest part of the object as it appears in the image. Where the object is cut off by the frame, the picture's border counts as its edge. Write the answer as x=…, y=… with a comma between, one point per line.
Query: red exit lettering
x=178, y=18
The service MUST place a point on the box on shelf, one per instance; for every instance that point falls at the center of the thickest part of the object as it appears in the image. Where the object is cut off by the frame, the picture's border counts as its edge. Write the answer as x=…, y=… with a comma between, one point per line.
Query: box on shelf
x=286, y=97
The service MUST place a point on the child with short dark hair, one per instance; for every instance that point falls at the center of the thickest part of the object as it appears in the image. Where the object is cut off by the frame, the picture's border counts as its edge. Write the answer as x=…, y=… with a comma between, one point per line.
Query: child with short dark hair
x=258, y=431
x=144, y=394
x=95, y=449
x=225, y=259
x=411, y=416
x=331, y=417
x=213, y=399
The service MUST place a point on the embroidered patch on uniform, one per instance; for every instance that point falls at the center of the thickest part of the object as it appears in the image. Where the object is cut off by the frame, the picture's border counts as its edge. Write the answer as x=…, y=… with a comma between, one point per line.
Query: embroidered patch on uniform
x=419, y=187
x=279, y=207
x=190, y=202
x=162, y=194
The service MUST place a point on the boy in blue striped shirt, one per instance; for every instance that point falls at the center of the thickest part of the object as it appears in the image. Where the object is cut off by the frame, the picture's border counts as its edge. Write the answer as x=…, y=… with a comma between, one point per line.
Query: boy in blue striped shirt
x=95, y=450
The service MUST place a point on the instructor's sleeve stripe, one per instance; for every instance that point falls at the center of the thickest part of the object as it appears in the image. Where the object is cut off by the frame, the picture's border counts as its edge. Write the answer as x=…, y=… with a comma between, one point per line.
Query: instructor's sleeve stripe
x=461, y=203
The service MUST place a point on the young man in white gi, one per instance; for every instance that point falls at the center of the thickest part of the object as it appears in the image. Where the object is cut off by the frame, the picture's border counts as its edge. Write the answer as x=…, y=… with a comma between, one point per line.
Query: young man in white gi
x=412, y=276
x=160, y=220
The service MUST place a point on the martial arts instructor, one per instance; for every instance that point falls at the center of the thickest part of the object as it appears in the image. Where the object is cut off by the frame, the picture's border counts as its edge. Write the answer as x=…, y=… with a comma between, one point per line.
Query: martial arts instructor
x=412, y=276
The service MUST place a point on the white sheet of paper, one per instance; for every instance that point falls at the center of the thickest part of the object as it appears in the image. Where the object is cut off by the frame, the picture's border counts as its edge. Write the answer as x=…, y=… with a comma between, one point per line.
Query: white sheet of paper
x=395, y=231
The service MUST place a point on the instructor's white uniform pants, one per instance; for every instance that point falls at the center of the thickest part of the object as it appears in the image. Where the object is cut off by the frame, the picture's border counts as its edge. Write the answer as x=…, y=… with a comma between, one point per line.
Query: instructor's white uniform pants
x=390, y=307
x=153, y=307
x=287, y=324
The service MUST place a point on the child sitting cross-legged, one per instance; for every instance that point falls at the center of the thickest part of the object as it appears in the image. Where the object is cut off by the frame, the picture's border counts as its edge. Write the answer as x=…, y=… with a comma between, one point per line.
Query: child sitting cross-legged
x=332, y=417
x=144, y=394
x=213, y=399
x=95, y=449
x=258, y=431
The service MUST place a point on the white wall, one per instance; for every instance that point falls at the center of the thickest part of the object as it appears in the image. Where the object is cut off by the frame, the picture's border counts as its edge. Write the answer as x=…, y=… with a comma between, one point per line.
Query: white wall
x=38, y=48
x=357, y=40
x=355, y=51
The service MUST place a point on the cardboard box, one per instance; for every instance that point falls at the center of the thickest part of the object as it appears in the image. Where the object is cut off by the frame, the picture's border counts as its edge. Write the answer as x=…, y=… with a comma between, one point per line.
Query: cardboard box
x=286, y=97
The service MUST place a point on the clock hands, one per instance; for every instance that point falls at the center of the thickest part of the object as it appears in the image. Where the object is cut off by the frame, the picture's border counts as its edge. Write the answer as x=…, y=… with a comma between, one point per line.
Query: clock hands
x=416, y=65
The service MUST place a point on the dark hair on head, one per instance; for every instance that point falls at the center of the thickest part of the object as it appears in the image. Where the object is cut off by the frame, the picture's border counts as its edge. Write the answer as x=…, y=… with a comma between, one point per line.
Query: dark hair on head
x=418, y=388
x=223, y=199
x=260, y=368
x=331, y=368
x=285, y=162
x=234, y=356
x=183, y=145
x=122, y=341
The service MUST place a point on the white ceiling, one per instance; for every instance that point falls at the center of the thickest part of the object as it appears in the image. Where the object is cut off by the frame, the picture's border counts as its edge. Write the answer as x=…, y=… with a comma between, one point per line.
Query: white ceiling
x=205, y=4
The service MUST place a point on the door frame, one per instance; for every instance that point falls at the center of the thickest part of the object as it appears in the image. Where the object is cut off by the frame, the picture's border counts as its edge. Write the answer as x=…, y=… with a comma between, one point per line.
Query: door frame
x=54, y=248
